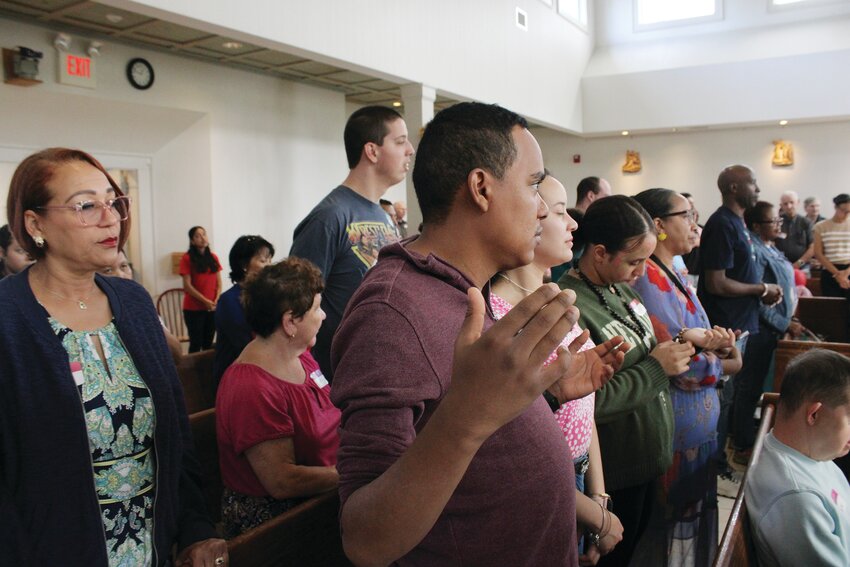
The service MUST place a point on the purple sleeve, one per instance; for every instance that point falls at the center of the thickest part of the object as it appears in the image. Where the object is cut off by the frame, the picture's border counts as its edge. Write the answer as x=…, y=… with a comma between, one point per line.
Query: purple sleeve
x=383, y=398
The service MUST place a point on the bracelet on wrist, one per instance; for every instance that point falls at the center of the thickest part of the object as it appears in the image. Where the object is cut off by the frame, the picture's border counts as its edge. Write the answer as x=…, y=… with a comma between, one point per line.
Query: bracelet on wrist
x=764, y=293
x=553, y=402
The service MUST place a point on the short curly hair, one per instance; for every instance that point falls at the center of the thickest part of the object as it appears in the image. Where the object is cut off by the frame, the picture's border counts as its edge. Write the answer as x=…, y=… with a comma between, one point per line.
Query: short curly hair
x=289, y=285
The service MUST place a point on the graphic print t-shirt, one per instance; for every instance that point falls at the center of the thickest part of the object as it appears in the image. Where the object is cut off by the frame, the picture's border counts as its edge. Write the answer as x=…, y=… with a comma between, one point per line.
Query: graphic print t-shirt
x=342, y=236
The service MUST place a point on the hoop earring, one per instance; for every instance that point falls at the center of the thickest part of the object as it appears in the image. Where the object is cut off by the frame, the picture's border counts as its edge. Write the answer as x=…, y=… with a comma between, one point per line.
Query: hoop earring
x=39, y=241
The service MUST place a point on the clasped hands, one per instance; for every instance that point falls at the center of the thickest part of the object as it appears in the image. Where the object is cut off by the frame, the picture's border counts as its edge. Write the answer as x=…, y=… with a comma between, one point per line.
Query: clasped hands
x=500, y=372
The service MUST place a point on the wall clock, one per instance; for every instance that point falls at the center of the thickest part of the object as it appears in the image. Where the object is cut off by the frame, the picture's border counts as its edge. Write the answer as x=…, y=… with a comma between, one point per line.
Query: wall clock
x=140, y=73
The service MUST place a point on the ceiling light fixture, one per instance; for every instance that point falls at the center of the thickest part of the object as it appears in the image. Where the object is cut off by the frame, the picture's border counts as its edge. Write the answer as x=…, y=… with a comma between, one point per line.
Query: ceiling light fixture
x=625, y=132
x=114, y=18
x=62, y=42
x=396, y=104
x=231, y=45
x=783, y=122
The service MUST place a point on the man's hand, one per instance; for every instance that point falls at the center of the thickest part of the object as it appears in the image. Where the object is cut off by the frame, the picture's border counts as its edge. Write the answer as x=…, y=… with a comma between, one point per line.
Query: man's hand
x=585, y=372
x=774, y=294
x=500, y=372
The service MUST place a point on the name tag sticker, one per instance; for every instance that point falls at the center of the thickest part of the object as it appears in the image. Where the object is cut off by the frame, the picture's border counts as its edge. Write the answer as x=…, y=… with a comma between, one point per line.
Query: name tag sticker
x=319, y=378
x=77, y=373
x=638, y=307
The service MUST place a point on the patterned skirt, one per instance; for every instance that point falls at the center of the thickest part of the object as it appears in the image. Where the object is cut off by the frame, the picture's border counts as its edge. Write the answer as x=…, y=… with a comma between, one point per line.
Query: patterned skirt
x=240, y=512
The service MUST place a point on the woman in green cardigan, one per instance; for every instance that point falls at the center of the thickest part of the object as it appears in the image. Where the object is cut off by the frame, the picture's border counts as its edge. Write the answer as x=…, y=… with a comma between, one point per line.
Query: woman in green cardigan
x=634, y=416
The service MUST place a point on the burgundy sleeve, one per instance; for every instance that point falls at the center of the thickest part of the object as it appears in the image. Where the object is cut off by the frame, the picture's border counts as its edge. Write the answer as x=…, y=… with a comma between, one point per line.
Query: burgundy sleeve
x=384, y=383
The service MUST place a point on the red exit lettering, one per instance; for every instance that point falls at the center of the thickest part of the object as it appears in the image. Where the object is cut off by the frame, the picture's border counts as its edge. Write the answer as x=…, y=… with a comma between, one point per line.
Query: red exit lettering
x=78, y=66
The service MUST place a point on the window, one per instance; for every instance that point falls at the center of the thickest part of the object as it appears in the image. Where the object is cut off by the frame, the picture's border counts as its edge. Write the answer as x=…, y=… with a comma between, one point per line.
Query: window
x=653, y=14
x=790, y=4
x=575, y=11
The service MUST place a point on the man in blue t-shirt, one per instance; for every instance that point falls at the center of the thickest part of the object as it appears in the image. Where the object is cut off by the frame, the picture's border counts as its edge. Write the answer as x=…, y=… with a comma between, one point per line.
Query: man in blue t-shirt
x=729, y=286
x=344, y=232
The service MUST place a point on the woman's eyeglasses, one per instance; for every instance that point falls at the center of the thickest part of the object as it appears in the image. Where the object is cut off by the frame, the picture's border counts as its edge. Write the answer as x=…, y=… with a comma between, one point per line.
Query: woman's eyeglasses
x=690, y=216
x=90, y=212
x=776, y=220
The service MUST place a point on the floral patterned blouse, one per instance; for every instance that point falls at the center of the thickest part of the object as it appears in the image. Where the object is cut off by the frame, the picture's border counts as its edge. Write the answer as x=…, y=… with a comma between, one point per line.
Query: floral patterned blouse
x=120, y=421
x=576, y=416
x=670, y=310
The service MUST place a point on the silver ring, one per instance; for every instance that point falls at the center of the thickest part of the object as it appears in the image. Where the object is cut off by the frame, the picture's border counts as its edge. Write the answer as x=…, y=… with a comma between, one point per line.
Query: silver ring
x=219, y=560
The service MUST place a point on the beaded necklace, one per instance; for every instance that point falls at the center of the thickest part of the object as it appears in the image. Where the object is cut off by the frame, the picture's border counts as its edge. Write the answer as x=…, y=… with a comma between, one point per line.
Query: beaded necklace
x=635, y=325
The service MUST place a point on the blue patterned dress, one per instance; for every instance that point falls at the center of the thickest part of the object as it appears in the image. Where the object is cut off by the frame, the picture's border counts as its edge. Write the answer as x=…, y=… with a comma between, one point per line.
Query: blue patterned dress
x=687, y=534
x=120, y=421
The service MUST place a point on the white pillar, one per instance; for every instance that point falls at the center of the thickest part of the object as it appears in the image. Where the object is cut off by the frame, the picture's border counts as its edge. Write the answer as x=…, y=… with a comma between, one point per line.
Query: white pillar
x=418, y=103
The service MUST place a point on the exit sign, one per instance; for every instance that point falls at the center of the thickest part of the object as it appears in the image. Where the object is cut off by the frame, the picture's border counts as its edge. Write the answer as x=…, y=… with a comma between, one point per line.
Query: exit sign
x=77, y=70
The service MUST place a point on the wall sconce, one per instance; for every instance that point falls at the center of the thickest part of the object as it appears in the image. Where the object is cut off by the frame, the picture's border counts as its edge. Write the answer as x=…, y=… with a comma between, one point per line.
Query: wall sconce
x=94, y=48
x=62, y=42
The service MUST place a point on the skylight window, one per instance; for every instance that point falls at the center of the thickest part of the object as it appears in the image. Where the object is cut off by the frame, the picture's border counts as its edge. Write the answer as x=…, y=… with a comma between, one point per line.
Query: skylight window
x=651, y=14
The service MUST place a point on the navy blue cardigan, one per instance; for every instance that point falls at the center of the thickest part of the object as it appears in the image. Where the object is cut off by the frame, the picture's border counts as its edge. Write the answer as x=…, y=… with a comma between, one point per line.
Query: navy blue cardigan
x=49, y=514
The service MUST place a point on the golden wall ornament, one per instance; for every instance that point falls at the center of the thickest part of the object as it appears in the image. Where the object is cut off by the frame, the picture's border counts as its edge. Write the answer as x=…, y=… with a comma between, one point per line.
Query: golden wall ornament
x=632, y=164
x=783, y=153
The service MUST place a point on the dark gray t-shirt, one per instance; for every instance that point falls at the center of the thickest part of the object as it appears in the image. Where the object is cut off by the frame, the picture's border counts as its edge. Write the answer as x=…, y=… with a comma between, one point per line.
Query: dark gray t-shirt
x=342, y=236
x=798, y=237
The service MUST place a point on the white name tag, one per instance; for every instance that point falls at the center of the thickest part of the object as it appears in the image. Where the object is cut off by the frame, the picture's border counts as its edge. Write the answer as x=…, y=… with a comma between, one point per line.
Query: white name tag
x=319, y=378
x=77, y=373
x=638, y=308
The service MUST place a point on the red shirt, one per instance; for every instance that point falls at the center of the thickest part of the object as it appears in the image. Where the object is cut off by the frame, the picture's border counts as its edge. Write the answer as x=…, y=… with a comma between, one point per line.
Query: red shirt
x=252, y=406
x=206, y=283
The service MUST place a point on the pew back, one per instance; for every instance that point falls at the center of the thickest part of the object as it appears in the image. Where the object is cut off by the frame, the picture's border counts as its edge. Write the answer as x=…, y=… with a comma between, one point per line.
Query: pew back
x=196, y=376
x=826, y=316
x=737, y=548
x=786, y=350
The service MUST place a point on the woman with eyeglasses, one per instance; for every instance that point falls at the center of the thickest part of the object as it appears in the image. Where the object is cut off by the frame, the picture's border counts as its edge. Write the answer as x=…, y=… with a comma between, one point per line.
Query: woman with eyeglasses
x=97, y=460
x=634, y=418
x=201, y=273
x=774, y=321
x=576, y=416
x=683, y=529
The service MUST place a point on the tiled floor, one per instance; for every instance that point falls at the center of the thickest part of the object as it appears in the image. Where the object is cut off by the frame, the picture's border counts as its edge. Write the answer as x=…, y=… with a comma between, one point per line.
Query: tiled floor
x=724, y=509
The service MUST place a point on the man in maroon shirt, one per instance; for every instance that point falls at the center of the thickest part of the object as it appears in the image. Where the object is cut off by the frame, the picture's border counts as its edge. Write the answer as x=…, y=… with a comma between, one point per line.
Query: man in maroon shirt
x=449, y=455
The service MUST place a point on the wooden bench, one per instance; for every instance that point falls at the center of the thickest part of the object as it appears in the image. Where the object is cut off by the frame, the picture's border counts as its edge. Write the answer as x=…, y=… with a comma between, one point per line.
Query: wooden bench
x=737, y=548
x=826, y=316
x=307, y=535
x=196, y=376
x=786, y=350
x=206, y=450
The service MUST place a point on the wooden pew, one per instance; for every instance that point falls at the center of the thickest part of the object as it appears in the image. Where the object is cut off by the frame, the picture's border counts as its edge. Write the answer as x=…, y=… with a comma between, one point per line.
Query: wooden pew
x=826, y=316
x=307, y=535
x=196, y=376
x=206, y=450
x=814, y=286
x=786, y=350
x=737, y=548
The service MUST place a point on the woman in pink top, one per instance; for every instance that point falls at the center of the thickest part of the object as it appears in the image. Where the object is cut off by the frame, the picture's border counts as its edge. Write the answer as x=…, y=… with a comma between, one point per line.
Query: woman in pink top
x=275, y=423
x=575, y=417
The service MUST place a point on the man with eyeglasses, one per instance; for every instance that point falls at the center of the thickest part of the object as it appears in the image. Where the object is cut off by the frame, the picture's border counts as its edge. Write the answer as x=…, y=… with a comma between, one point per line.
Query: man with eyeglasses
x=796, y=240
x=729, y=286
x=343, y=234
